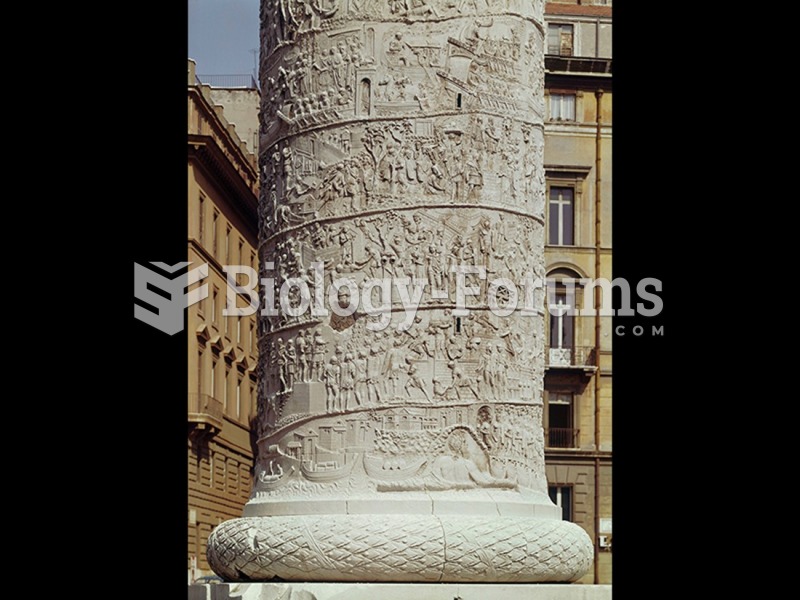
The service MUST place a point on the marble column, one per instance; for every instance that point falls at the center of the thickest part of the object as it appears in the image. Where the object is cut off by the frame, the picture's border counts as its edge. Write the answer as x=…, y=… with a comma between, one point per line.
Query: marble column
x=401, y=155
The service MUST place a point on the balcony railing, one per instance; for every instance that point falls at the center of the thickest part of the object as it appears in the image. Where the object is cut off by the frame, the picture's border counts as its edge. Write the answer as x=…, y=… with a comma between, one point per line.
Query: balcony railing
x=576, y=356
x=576, y=64
x=205, y=411
x=562, y=437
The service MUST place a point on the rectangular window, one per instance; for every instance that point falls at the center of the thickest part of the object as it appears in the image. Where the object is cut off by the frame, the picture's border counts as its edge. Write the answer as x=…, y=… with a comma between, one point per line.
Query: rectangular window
x=214, y=295
x=214, y=378
x=239, y=398
x=240, y=257
x=214, y=223
x=202, y=218
x=562, y=107
x=228, y=244
x=239, y=330
x=560, y=420
x=561, y=216
x=561, y=495
x=200, y=356
x=225, y=389
x=559, y=39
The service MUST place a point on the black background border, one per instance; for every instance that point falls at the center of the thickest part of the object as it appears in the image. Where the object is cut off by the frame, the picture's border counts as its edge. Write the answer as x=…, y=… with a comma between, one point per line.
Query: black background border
x=147, y=421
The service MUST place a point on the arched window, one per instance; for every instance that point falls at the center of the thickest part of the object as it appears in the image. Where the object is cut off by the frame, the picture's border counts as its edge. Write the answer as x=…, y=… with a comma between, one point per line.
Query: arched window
x=562, y=303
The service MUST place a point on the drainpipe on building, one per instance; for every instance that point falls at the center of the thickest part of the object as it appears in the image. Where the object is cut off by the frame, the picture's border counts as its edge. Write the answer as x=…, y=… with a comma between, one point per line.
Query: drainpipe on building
x=597, y=303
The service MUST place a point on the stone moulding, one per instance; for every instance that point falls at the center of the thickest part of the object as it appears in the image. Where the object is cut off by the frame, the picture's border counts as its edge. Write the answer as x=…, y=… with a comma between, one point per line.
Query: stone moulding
x=397, y=548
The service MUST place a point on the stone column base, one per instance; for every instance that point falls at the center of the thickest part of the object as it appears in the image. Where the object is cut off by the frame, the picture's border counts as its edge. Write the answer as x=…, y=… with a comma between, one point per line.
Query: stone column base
x=396, y=591
x=409, y=548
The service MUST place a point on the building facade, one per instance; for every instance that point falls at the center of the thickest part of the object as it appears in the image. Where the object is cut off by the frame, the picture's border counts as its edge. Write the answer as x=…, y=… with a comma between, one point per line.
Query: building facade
x=578, y=373
x=241, y=107
x=222, y=351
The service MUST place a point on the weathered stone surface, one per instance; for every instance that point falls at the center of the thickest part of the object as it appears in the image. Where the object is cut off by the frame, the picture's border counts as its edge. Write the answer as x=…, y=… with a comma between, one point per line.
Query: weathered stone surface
x=401, y=142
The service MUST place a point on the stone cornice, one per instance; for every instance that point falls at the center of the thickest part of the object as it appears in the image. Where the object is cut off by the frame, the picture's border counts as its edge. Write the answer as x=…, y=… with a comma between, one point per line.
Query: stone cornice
x=214, y=126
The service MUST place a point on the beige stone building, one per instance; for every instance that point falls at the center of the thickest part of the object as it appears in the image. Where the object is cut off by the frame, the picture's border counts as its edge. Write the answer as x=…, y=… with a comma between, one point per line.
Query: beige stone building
x=222, y=200
x=241, y=107
x=578, y=373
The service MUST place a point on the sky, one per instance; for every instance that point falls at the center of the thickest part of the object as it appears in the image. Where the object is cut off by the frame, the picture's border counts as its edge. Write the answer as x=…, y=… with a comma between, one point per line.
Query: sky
x=222, y=34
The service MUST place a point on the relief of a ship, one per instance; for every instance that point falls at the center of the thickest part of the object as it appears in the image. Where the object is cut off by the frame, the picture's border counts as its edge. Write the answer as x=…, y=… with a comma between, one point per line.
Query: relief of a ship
x=275, y=476
x=386, y=469
x=329, y=470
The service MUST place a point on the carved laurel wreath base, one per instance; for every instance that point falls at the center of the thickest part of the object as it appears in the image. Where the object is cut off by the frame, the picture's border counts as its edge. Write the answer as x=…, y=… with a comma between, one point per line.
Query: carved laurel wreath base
x=389, y=548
